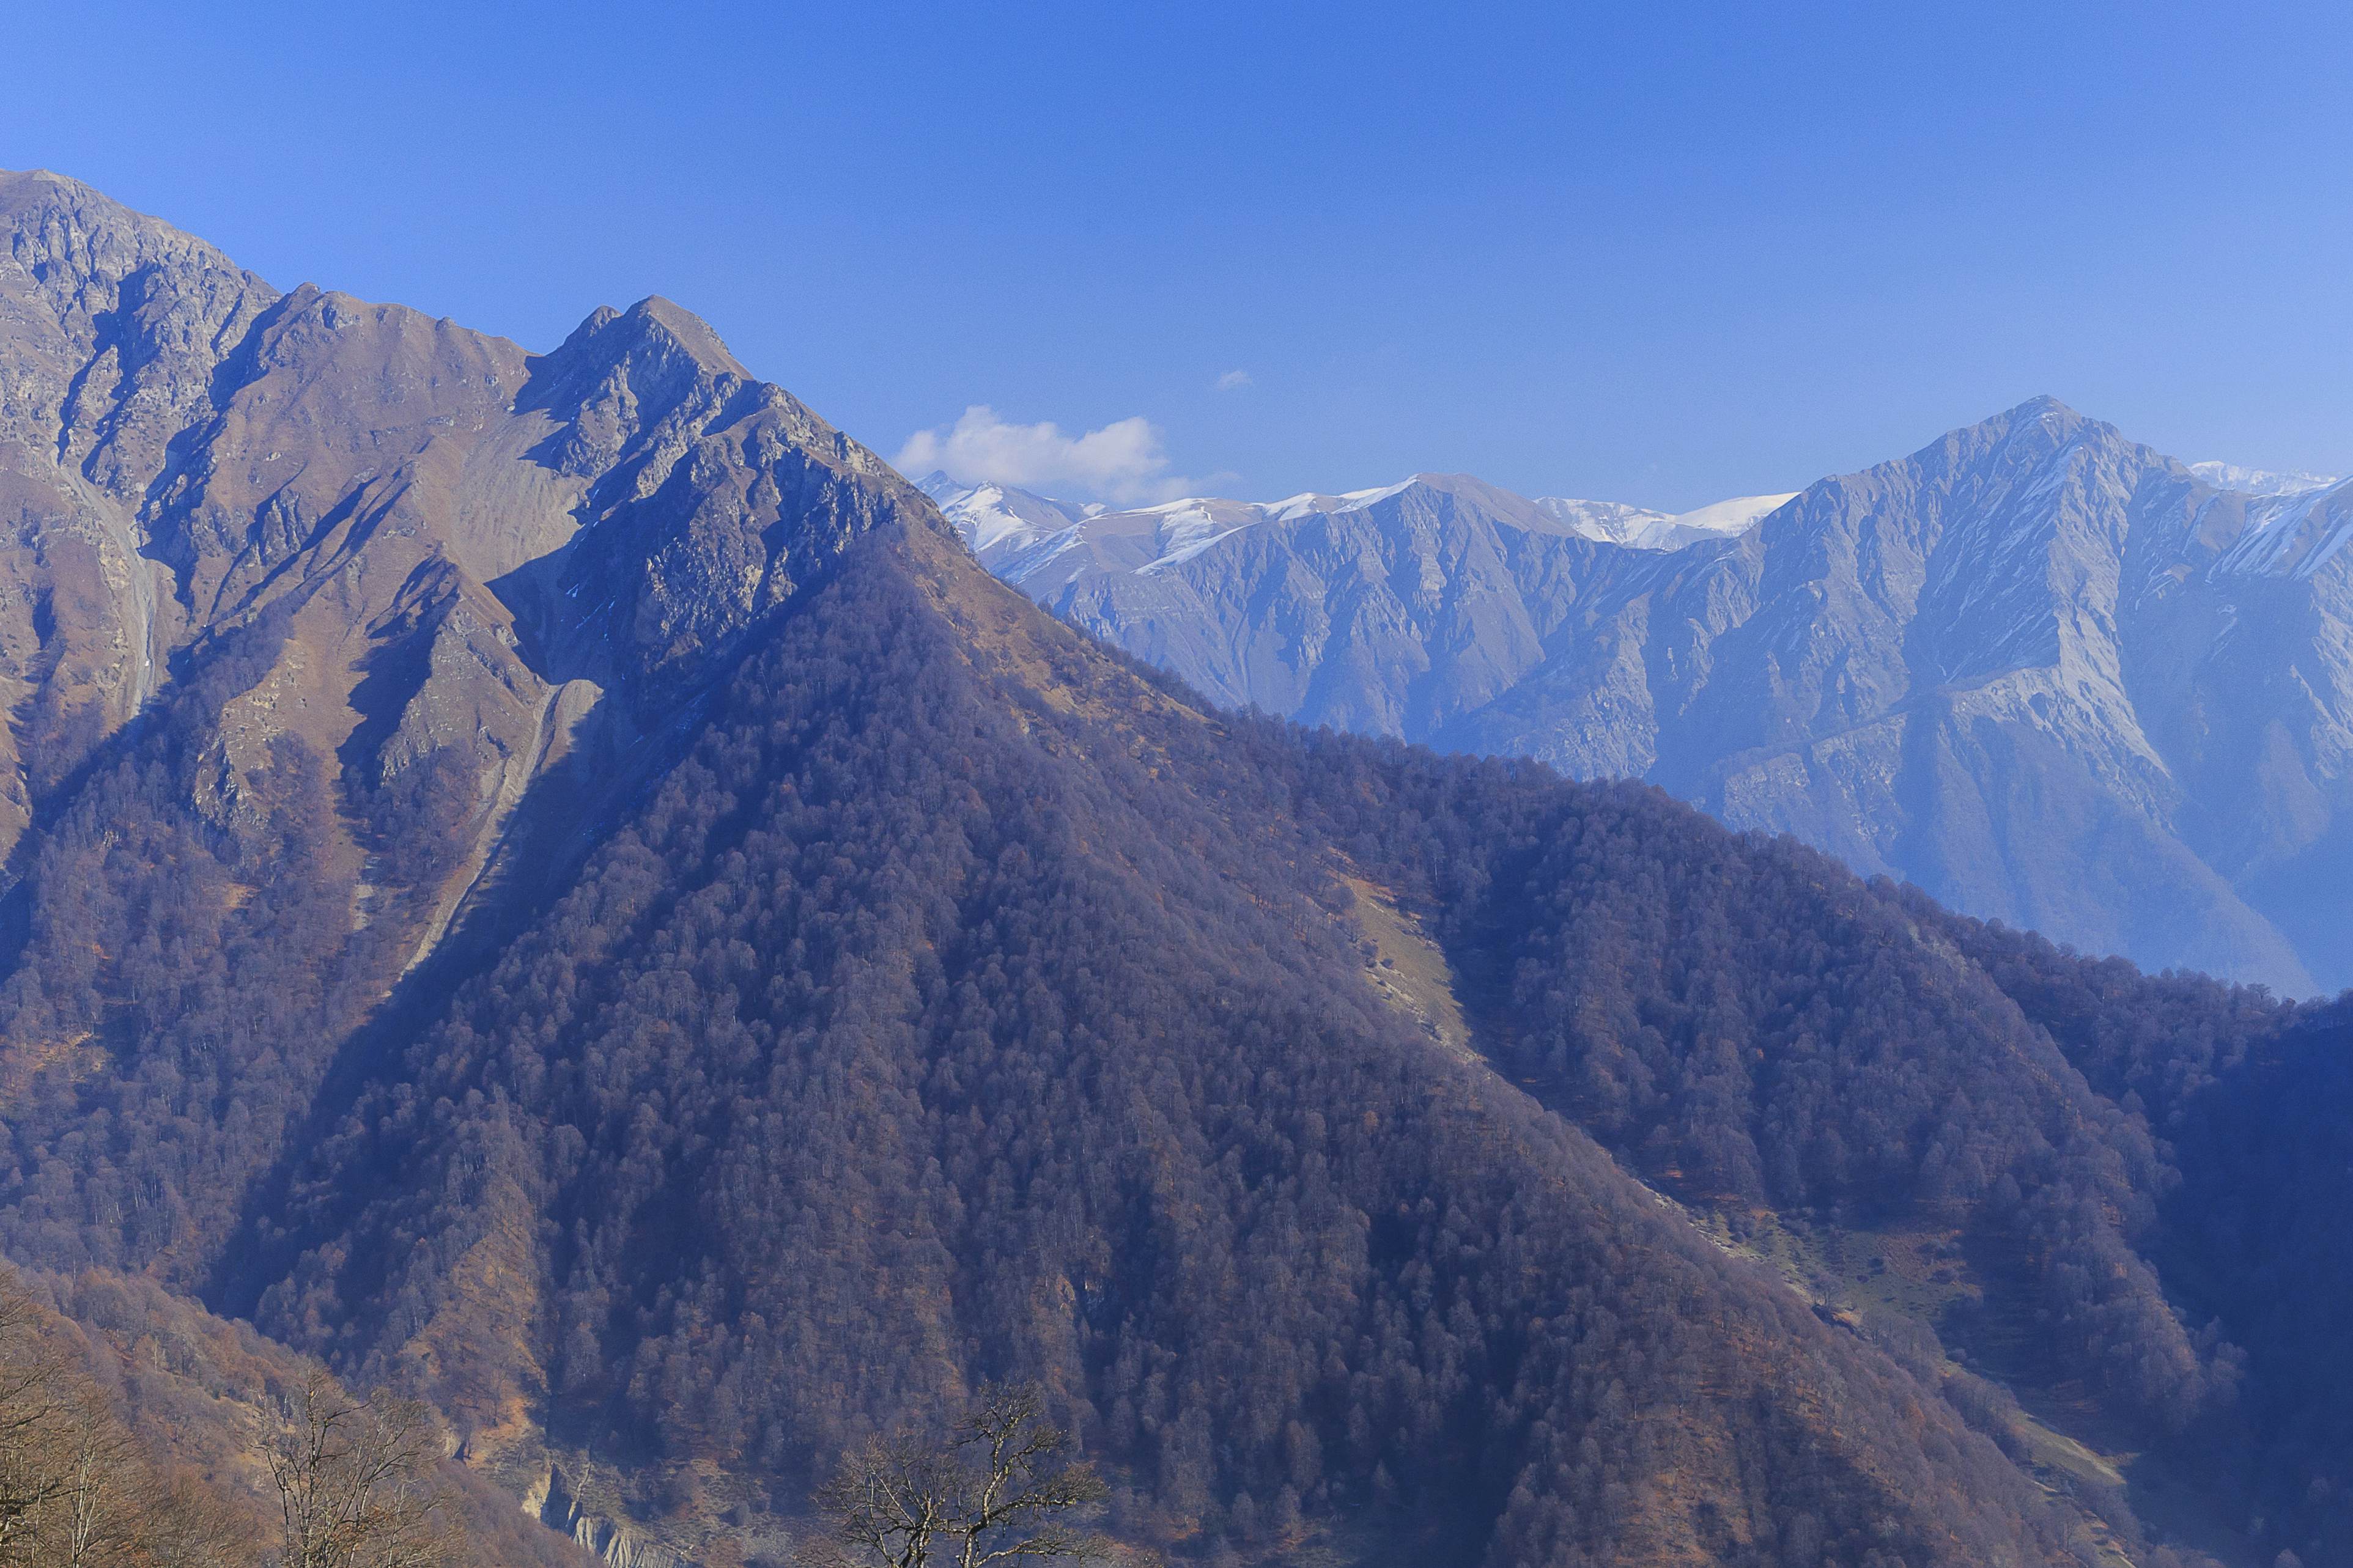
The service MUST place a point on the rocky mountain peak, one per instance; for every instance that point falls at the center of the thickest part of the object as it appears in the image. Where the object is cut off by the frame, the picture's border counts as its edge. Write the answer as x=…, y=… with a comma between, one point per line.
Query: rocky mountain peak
x=661, y=320
x=654, y=333
x=118, y=324
x=622, y=372
x=71, y=237
x=475, y=566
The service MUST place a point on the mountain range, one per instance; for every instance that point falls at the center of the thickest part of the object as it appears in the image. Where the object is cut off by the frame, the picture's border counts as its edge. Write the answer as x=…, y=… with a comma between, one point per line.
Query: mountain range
x=558, y=885
x=2048, y=674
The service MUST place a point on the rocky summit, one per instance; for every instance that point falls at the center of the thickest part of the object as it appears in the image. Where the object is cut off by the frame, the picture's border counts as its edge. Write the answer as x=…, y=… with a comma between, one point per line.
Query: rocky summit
x=468, y=561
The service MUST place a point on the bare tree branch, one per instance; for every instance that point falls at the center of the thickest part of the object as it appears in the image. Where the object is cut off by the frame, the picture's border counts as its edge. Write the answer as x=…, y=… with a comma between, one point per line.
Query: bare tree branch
x=354, y=1480
x=36, y=1397
x=995, y=1488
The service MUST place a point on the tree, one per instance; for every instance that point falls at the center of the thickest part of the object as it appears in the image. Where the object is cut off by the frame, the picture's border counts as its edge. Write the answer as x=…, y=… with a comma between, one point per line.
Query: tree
x=76, y=1491
x=35, y=1403
x=355, y=1483
x=997, y=1489
x=103, y=1485
x=187, y=1526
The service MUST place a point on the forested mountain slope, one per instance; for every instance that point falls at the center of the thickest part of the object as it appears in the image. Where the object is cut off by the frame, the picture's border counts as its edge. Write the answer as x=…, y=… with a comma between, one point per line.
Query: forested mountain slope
x=1376, y=1156
x=962, y=1005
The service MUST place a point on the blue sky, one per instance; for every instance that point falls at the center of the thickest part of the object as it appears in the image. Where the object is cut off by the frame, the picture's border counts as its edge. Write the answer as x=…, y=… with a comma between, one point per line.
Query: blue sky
x=1658, y=253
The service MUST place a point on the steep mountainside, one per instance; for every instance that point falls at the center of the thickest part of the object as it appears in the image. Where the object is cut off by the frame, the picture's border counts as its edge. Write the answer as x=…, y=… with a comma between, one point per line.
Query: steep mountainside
x=313, y=594
x=461, y=550
x=2053, y=677
x=609, y=918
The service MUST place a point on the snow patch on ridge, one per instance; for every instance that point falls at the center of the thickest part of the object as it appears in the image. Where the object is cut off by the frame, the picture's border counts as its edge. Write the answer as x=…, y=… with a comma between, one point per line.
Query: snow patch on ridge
x=1638, y=528
x=1187, y=528
x=1308, y=502
x=2259, y=481
x=1738, y=515
x=1018, y=534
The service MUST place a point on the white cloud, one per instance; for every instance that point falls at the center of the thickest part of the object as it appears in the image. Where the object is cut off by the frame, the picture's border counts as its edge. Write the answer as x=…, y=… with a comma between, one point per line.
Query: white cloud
x=1121, y=462
x=1233, y=381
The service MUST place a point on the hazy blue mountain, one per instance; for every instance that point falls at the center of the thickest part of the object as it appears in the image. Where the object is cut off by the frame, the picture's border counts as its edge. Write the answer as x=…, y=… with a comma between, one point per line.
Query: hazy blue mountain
x=2054, y=676
x=1391, y=610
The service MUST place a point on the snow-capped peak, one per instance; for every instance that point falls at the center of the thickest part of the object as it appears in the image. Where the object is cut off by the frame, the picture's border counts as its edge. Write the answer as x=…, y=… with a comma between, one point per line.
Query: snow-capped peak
x=1638, y=527
x=996, y=519
x=1016, y=533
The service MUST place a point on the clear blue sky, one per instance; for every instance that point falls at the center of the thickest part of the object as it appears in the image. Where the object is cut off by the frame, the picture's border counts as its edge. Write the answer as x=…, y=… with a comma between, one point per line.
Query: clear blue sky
x=1650, y=252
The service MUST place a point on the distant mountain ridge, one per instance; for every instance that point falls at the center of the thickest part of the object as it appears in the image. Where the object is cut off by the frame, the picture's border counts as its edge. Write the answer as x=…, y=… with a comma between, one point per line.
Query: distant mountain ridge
x=1384, y=610
x=2051, y=675
x=1016, y=533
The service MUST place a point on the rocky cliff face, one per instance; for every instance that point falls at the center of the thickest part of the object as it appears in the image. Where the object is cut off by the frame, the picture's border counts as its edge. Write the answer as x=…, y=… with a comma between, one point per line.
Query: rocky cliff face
x=114, y=331
x=2051, y=675
x=470, y=557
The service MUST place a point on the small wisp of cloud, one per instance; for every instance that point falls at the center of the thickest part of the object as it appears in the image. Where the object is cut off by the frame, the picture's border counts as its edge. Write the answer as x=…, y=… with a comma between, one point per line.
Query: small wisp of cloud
x=1123, y=461
x=1233, y=381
